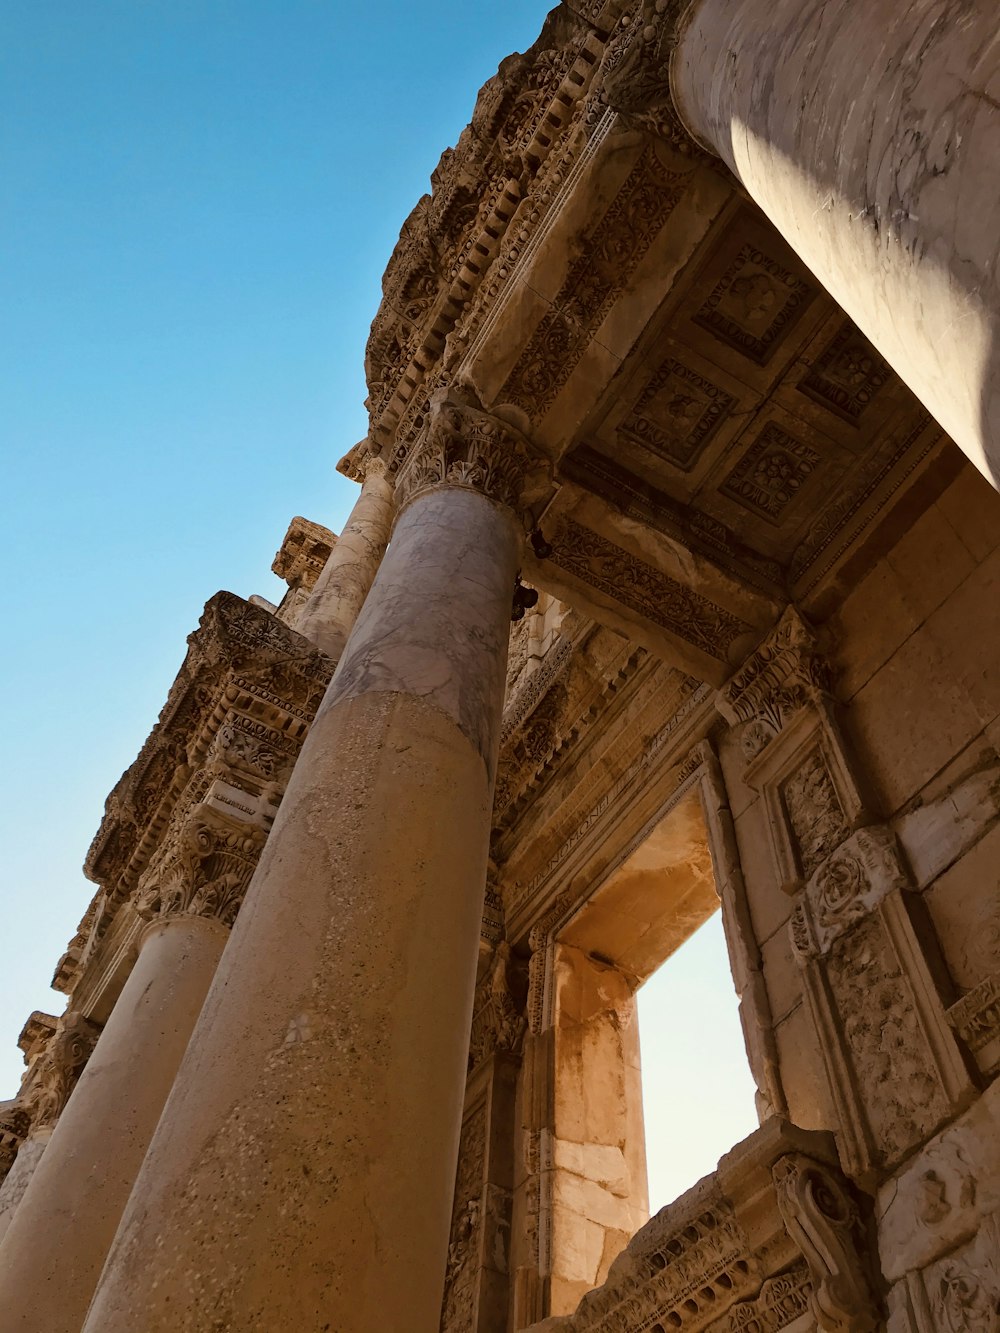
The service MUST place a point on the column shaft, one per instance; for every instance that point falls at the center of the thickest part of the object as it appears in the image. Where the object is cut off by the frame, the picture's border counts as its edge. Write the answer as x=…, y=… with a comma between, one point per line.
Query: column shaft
x=334, y=603
x=58, y=1240
x=301, y=1176
x=869, y=133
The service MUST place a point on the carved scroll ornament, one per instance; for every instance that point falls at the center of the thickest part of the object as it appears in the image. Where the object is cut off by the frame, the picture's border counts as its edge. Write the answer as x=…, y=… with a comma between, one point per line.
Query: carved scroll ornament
x=56, y=1073
x=824, y=1222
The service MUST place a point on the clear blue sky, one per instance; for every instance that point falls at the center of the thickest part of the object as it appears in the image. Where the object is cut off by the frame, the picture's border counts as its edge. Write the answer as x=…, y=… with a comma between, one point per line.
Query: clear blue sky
x=198, y=201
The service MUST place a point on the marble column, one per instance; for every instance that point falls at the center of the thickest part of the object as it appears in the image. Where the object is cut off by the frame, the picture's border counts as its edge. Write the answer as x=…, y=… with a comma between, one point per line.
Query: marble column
x=340, y=591
x=870, y=136
x=302, y=1174
x=58, y=1240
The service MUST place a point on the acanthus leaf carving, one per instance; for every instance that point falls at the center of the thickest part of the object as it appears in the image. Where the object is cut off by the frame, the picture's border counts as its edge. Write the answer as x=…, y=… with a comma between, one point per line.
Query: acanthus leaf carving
x=56, y=1072
x=783, y=675
x=466, y=446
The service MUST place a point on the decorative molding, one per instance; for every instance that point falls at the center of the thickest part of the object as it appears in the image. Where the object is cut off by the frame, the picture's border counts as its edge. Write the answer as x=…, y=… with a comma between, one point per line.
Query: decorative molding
x=498, y=1022
x=976, y=1016
x=609, y=256
x=655, y=596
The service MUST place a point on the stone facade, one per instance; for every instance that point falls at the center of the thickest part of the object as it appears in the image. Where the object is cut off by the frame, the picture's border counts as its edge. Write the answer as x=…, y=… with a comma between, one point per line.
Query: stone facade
x=690, y=604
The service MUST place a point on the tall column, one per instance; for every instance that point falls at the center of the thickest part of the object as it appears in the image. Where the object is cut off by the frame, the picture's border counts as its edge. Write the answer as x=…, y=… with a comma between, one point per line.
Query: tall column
x=341, y=589
x=302, y=1174
x=56, y=1245
x=869, y=133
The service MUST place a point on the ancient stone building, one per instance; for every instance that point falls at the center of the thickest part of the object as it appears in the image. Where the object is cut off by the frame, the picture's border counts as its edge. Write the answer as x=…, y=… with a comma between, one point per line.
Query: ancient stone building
x=686, y=365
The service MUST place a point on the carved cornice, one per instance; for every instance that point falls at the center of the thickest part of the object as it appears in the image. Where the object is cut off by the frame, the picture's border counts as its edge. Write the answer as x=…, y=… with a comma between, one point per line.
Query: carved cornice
x=783, y=675
x=467, y=447
x=304, y=551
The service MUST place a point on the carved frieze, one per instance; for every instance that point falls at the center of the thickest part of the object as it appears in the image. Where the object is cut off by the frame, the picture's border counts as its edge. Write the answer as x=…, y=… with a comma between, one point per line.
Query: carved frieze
x=624, y=577
x=610, y=255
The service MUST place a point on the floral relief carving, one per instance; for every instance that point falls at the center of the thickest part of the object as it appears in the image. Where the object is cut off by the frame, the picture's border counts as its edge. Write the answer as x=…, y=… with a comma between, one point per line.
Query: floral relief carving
x=205, y=869
x=848, y=885
x=896, y=1079
x=771, y=473
x=815, y=814
x=664, y=601
x=499, y=1022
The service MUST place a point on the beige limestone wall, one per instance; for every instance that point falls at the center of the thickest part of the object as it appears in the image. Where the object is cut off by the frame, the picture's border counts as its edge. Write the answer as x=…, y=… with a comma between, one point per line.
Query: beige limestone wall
x=597, y=1156
x=915, y=647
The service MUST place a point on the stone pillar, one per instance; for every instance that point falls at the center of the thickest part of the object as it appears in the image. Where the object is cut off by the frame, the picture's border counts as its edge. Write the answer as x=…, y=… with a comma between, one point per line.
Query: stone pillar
x=53, y=1252
x=333, y=606
x=870, y=136
x=302, y=1174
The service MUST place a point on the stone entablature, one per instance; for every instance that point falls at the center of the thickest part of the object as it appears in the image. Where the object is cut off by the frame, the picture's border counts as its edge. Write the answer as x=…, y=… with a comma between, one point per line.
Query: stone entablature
x=775, y=1239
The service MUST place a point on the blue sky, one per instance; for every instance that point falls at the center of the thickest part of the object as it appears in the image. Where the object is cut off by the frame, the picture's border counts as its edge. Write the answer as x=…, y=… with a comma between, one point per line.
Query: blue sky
x=197, y=201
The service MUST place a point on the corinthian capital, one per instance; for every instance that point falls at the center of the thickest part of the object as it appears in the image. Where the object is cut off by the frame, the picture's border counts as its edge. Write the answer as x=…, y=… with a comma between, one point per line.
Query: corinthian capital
x=635, y=73
x=466, y=446
x=206, y=870
x=55, y=1075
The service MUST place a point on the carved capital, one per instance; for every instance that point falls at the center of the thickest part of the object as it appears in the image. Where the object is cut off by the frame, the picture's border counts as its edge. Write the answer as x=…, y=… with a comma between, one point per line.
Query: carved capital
x=467, y=447
x=499, y=1021
x=206, y=870
x=55, y=1074
x=783, y=675
x=14, y=1124
x=635, y=73
x=824, y=1221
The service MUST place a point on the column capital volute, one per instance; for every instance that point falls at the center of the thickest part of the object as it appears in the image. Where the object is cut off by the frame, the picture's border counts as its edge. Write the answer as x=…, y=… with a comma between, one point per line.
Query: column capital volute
x=467, y=446
x=204, y=871
x=635, y=72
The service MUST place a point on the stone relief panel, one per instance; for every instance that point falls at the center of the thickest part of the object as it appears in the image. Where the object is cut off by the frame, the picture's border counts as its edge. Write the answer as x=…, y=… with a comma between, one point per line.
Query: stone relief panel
x=848, y=375
x=458, y=1310
x=814, y=811
x=903, y=1097
x=677, y=414
x=754, y=303
x=771, y=473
